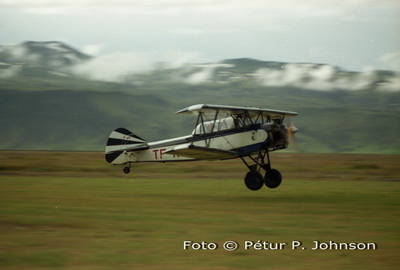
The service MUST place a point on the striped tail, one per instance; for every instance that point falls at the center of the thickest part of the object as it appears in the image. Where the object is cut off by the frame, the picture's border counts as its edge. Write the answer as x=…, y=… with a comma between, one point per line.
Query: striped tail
x=120, y=141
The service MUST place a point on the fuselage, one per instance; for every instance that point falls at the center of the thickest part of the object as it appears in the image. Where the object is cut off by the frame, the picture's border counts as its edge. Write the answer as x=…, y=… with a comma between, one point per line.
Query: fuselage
x=245, y=141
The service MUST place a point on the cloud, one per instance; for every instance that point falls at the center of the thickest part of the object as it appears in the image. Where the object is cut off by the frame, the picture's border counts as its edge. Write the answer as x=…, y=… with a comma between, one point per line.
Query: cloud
x=113, y=67
x=9, y=71
x=92, y=49
x=325, y=78
x=262, y=29
x=204, y=74
x=320, y=8
x=176, y=59
x=390, y=61
x=20, y=54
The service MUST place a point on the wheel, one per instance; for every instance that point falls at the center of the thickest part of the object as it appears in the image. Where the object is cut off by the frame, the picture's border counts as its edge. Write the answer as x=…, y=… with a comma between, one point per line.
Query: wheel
x=127, y=170
x=254, y=180
x=273, y=178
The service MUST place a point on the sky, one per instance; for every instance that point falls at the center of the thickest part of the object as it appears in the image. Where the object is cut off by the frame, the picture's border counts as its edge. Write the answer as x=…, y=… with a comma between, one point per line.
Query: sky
x=356, y=35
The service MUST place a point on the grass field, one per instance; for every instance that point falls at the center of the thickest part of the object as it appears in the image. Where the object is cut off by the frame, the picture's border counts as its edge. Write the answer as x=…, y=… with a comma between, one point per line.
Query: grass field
x=67, y=210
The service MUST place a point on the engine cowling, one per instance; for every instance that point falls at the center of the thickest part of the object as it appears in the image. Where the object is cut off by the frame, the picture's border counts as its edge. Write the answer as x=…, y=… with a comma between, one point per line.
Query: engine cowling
x=277, y=136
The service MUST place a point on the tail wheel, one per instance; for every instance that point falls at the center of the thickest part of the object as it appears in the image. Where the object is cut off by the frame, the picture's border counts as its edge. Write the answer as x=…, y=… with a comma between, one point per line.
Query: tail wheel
x=254, y=180
x=127, y=170
x=273, y=178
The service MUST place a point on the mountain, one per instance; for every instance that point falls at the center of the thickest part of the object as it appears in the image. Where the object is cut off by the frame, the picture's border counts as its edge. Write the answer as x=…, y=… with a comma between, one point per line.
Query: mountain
x=38, y=59
x=42, y=54
x=56, y=59
x=318, y=77
x=50, y=99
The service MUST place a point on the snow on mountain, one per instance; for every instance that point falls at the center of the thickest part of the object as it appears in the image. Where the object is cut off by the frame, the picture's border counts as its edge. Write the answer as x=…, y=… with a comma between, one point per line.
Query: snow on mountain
x=29, y=55
x=203, y=73
x=327, y=78
x=320, y=77
x=56, y=58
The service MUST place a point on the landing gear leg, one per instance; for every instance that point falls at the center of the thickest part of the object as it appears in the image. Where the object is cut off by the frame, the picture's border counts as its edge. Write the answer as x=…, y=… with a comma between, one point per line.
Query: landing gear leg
x=272, y=178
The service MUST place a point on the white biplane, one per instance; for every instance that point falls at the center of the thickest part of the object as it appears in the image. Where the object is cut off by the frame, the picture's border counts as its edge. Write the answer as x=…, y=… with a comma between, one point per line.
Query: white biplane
x=221, y=132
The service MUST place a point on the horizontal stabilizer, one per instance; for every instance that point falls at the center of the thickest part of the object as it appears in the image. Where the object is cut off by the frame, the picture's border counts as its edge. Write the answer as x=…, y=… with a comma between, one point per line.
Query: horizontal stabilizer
x=197, y=152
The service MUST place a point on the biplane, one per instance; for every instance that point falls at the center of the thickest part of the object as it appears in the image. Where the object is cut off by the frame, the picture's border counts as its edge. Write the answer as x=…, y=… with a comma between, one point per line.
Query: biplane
x=220, y=133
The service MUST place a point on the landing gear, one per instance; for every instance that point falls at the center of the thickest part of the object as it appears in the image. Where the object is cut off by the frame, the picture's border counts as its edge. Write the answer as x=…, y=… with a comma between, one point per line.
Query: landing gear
x=273, y=178
x=127, y=169
x=254, y=179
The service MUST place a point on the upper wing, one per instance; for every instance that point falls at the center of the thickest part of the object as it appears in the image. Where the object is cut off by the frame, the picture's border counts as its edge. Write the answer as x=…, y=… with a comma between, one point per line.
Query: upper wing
x=235, y=110
x=197, y=152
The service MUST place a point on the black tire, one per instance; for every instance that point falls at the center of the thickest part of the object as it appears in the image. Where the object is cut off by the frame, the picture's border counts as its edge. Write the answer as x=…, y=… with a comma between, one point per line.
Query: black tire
x=254, y=180
x=127, y=170
x=273, y=178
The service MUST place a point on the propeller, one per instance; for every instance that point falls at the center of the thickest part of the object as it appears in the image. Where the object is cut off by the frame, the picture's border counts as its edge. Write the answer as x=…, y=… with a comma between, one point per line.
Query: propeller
x=291, y=130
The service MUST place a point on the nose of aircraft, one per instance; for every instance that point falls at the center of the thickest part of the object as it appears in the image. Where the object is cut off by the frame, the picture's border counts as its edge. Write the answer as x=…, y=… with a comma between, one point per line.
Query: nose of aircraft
x=292, y=129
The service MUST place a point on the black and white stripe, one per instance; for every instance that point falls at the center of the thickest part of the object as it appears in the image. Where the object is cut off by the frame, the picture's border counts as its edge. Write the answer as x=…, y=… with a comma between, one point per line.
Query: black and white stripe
x=121, y=140
x=122, y=136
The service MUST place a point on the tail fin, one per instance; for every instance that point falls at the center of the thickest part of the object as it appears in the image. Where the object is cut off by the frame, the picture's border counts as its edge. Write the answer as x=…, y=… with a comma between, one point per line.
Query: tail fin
x=121, y=140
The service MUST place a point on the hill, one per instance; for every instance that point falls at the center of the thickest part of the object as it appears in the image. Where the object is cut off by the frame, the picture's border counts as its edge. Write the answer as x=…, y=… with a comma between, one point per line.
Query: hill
x=49, y=103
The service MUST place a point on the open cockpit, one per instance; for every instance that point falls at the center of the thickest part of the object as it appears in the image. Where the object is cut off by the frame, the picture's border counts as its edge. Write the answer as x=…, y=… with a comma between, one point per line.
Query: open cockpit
x=214, y=126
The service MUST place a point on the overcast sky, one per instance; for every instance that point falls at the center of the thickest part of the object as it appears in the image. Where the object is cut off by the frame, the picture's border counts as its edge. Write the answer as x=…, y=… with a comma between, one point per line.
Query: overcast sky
x=353, y=34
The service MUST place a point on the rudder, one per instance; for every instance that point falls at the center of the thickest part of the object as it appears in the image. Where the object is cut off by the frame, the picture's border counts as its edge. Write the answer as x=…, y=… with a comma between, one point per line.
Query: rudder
x=120, y=141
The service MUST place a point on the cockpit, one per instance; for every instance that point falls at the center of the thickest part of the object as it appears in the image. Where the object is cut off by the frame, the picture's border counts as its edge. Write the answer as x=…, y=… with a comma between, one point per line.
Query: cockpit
x=215, y=126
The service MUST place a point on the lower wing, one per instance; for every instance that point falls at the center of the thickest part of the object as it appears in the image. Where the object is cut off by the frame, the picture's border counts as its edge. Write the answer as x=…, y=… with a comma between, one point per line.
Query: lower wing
x=206, y=153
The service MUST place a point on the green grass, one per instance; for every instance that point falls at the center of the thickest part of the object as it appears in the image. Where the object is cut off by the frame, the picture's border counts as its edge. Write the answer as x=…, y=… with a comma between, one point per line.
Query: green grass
x=55, y=222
